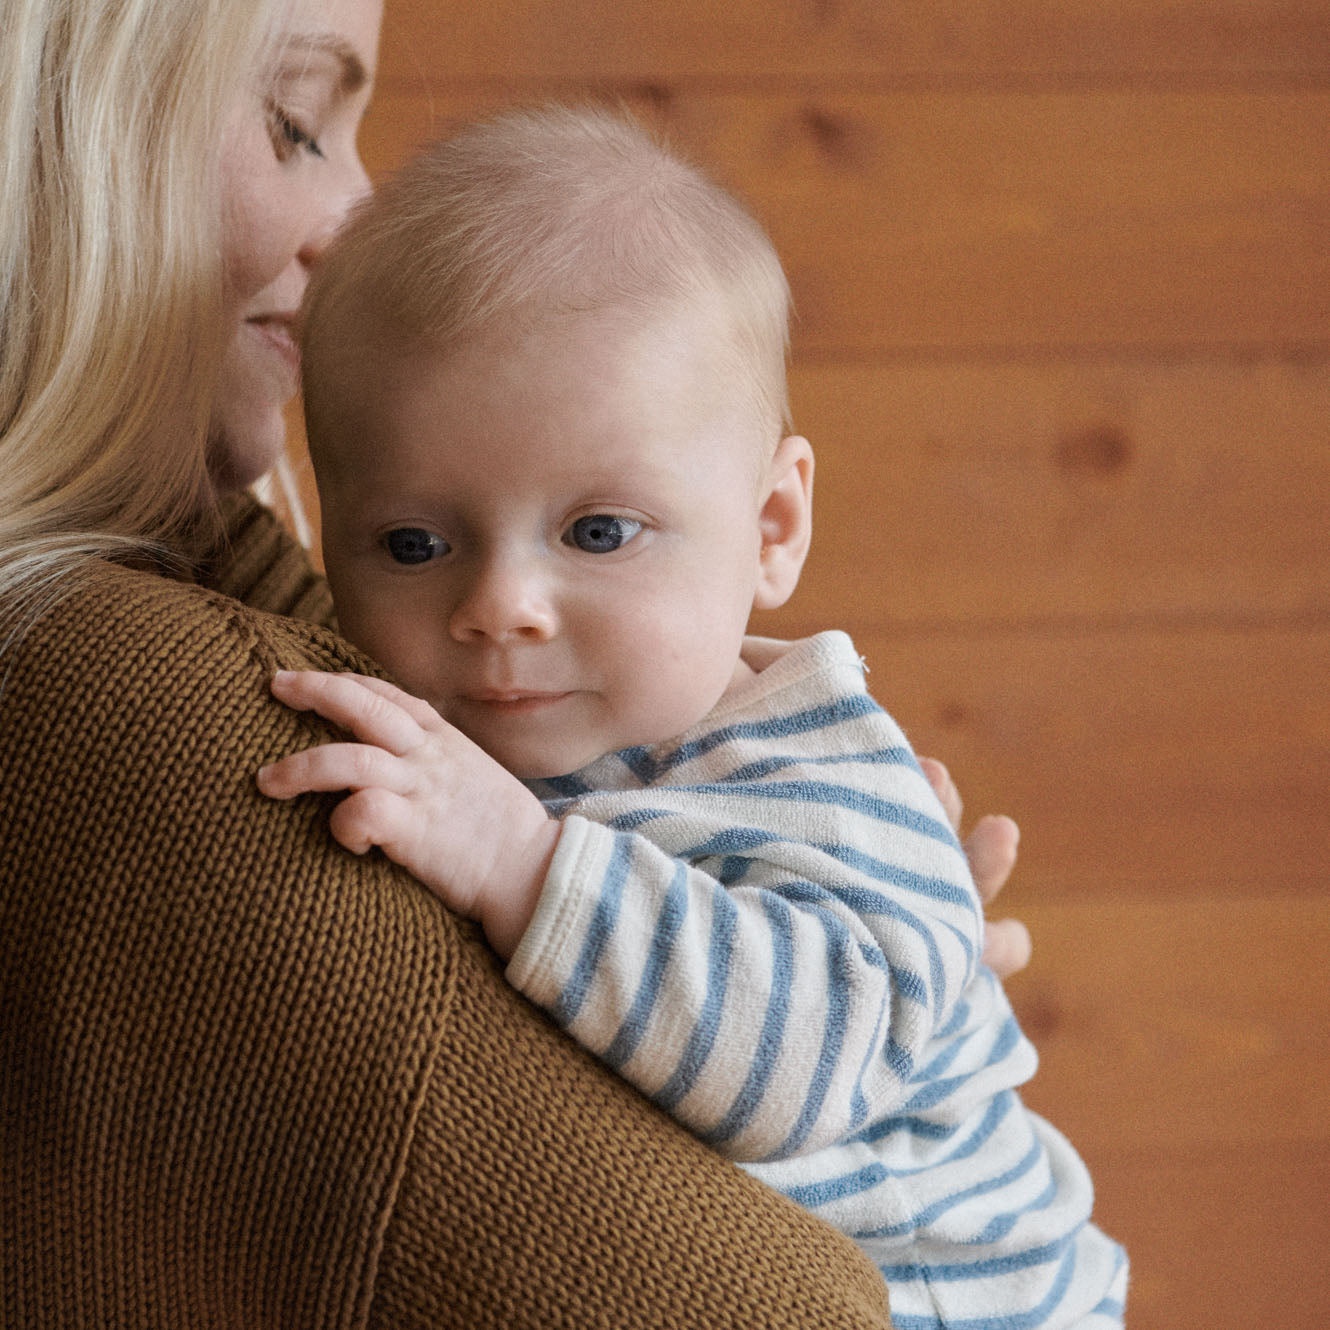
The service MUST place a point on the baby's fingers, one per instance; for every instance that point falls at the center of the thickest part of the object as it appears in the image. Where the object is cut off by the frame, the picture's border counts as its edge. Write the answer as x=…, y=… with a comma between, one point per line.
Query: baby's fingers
x=370, y=817
x=416, y=707
x=348, y=700
x=329, y=767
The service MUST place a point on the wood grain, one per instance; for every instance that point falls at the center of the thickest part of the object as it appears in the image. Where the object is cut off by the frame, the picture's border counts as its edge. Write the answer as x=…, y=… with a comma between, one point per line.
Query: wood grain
x=1188, y=763
x=1104, y=491
x=1185, y=987
x=515, y=41
x=1220, y=1240
x=961, y=222
x=1184, y=1051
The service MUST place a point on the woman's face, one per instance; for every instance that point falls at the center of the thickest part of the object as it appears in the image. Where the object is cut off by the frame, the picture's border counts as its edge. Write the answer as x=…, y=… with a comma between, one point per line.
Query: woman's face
x=290, y=171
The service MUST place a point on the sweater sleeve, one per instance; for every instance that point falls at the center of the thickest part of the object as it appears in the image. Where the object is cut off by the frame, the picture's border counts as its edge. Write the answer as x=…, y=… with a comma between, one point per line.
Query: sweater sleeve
x=542, y=1192
x=766, y=943
x=247, y=1079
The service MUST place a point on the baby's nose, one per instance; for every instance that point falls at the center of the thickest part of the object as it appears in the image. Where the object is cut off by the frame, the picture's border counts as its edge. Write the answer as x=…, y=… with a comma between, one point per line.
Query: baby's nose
x=504, y=602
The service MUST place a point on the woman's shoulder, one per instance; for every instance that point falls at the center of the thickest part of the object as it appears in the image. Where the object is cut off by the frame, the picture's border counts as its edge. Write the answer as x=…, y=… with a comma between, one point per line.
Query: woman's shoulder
x=121, y=621
x=233, y=997
x=134, y=679
x=308, y=1029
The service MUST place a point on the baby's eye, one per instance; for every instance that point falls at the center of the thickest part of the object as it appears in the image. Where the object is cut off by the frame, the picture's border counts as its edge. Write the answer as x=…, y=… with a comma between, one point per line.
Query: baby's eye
x=413, y=544
x=601, y=532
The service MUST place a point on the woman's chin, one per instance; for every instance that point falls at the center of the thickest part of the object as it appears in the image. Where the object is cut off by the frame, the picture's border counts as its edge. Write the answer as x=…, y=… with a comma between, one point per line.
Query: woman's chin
x=238, y=457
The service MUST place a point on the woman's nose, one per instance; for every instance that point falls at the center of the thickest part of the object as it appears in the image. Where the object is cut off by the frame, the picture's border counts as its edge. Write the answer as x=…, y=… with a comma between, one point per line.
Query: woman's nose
x=352, y=186
x=504, y=603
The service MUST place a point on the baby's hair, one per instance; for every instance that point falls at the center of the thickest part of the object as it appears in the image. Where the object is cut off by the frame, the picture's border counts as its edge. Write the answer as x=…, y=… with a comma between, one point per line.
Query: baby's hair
x=547, y=213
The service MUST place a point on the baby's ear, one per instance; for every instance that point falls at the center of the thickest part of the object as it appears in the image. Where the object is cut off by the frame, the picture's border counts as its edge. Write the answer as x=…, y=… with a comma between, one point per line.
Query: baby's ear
x=785, y=522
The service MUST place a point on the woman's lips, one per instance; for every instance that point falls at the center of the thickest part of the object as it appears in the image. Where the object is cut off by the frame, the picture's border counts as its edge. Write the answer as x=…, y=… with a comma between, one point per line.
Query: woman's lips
x=278, y=331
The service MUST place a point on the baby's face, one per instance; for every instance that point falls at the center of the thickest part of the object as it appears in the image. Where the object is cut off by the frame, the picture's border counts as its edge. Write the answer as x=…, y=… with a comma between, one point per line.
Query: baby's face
x=553, y=536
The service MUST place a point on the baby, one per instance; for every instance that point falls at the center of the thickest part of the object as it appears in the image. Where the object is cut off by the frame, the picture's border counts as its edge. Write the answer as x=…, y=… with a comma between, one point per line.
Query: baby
x=545, y=373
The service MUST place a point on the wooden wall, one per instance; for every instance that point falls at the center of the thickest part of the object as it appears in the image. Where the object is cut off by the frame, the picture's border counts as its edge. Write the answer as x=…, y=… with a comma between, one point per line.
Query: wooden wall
x=1063, y=278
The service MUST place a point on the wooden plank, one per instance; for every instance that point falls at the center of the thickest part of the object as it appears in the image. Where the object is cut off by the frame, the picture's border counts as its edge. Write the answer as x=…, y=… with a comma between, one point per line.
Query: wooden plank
x=934, y=223
x=1223, y=1239
x=1188, y=763
x=1185, y=1051
x=969, y=40
x=1147, y=1012
x=1107, y=490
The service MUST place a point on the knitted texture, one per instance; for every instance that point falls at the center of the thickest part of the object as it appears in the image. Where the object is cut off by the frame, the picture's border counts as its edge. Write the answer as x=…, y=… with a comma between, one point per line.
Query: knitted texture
x=249, y=1080
x=257, y=561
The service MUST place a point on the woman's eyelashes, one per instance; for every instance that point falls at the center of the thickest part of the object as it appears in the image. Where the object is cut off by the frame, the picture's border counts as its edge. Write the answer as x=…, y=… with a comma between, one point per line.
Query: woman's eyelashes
x=412, y=545
x=288, y=136
x=601, y=533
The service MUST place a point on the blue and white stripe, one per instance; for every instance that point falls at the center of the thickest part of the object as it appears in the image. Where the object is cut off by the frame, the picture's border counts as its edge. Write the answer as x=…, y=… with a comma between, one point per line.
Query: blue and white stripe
x=769, y=927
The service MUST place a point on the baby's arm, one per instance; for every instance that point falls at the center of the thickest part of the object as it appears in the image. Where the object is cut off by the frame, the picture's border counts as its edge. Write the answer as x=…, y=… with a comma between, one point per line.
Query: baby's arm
x=772, y=986
x=768, y=997
x=425, y=794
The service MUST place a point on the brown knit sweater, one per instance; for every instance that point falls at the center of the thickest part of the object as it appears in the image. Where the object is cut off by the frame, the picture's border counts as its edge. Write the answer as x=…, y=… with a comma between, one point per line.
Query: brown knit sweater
x=249, y=1080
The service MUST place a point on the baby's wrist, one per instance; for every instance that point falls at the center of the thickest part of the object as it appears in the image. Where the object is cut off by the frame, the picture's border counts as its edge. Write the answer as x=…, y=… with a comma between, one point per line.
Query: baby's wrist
x=506, y=912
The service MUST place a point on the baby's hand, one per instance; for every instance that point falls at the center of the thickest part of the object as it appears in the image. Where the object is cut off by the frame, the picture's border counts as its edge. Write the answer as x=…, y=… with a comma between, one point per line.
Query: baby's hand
x=425, y=794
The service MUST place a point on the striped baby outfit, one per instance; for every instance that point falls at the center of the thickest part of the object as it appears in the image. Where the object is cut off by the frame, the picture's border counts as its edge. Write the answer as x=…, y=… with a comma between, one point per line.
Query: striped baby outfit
x=768, y=927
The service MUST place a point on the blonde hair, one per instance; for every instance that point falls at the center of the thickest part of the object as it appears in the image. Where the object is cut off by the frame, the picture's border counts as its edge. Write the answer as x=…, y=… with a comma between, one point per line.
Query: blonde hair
x=111, y=328
x=555, y=211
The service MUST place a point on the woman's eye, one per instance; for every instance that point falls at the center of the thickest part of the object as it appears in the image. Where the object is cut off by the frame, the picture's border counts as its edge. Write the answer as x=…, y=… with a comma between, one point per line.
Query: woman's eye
x=289, y=137
x=601, y=533
x=413, y=544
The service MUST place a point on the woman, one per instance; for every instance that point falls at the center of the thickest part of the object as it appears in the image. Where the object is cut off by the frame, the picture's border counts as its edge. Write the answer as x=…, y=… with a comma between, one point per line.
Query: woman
x=246, y=1079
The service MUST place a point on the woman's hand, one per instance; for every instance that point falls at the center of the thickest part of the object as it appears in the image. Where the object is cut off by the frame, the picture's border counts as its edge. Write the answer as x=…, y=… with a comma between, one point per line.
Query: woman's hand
x=991, y=849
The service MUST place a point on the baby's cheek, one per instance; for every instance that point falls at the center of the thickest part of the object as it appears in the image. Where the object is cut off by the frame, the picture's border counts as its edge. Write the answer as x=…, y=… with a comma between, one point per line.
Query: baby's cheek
x=392, y=641
x=684, y=675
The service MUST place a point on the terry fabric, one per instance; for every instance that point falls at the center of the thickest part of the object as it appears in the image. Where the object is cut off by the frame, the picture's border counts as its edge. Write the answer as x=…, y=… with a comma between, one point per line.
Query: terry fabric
x=249, y=1080
x=769, y=927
